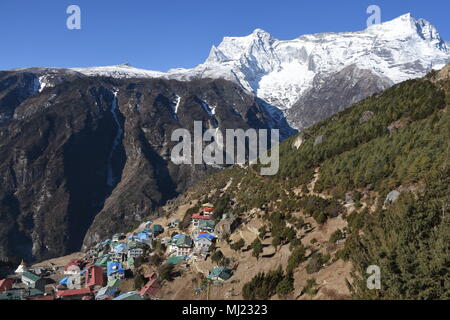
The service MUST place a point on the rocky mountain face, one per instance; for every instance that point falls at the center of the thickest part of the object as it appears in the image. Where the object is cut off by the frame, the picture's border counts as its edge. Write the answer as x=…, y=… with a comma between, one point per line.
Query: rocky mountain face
x=295, y=75
x=81, y=157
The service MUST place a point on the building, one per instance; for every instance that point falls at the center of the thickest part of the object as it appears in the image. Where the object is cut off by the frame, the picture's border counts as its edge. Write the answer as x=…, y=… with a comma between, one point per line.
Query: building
x=131, y=262
x=201, y=250
x=94, y=276
x=74, y=294
x=33, y=281
x=196, y=218
x=202, y=245
x=207, y=208
x=144, y=237
x=103, y=261
x=119, y=253
x=151, y=288
x=206, y=226
x=5, y=285
x=157, y=230
x=132, y=295
x=74, y=266
x=181, y=245
x=220, y=274
x=136, y=249
x=106, y=293
x=114, y=270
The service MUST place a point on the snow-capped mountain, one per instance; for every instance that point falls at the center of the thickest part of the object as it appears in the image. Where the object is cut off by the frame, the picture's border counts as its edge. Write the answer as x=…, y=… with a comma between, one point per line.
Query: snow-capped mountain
x=282, y=72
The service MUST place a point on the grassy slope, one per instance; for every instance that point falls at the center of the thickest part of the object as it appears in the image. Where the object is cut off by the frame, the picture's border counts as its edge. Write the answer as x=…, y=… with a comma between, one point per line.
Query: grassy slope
x=408, y=240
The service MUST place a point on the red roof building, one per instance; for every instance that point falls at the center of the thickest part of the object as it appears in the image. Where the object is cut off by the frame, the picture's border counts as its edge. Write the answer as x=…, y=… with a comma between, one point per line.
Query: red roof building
x=74, y=264
x=196, y=218
x=201, y=216
x=73, y=294
x=94, y=276
x=151, y=288
x=5, y=285
x=208, y=210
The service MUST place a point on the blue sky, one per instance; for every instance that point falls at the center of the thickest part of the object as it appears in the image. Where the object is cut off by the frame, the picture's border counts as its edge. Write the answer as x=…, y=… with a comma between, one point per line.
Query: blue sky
x=165, y=34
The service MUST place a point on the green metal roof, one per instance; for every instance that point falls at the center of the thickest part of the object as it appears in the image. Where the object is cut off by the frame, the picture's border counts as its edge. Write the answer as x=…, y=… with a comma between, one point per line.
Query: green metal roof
x=222, y=272
x=115, y=283
x=130, y=262
x=183, y=241
x=31, y=276
x=158, y=228
x=103, y=261
x=206, y=224
x=174, y=260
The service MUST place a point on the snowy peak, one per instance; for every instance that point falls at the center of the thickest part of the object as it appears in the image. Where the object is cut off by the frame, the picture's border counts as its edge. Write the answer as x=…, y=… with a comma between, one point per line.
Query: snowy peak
x=234, y=48
x=119, y=71
x=407, y=26
x=281, y=72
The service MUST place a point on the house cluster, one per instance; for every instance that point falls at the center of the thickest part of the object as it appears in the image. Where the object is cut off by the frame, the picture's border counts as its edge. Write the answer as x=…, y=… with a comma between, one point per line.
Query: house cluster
x=99, y=274
x=203, y=235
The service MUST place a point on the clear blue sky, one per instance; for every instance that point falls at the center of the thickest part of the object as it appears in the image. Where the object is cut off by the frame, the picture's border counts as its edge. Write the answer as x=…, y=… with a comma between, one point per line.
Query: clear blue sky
x=165, y=34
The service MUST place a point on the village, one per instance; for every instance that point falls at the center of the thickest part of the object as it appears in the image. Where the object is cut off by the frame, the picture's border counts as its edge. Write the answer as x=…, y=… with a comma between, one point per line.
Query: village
x=101, y=272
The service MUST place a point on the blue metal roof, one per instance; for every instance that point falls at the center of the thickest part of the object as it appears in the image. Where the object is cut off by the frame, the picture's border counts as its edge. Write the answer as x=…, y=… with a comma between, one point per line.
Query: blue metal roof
x=206, y=235
x=114, y=267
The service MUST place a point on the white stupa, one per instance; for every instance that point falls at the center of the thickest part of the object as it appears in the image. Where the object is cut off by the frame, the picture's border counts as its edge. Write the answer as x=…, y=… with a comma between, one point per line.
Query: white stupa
x=21, y=268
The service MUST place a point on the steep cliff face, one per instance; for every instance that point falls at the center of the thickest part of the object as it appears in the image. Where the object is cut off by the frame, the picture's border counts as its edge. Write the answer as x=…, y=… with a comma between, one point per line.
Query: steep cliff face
x=84, y=157
x=334, y=93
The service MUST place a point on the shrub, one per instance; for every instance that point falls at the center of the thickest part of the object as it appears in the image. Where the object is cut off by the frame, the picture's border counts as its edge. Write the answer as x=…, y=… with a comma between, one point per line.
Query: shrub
x=316, y=262
x=297, y=256
x=336, y=236
x=237, y=246
x=165, y=273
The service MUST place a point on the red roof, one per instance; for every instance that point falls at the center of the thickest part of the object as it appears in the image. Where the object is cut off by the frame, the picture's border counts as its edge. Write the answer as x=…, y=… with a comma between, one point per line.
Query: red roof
x=201, y=217
x=5, y=284
x=94, y=276
x=208, y=209
x=73, y=292
x=74, y=262
x=151, y=288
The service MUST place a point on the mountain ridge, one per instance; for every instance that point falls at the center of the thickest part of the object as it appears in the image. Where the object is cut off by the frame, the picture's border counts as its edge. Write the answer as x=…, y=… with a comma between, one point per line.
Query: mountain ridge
x=282, y=72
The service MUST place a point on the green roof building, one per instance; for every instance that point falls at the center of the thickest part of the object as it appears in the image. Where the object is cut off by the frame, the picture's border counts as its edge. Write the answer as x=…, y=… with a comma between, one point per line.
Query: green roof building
x=222, y=273
x=183, y=241
x=175, y=260
x=114, y=283
x=103, y=261
x=206, y=225
x=157, y=229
